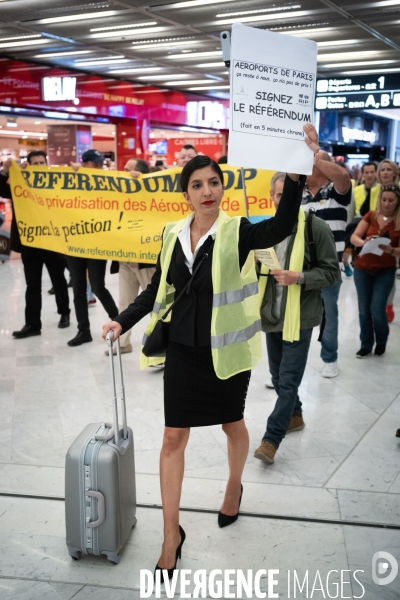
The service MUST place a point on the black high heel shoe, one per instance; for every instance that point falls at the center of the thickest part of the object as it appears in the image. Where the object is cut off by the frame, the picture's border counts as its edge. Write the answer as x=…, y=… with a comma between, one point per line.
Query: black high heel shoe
x=178, y=555
x=224, y=520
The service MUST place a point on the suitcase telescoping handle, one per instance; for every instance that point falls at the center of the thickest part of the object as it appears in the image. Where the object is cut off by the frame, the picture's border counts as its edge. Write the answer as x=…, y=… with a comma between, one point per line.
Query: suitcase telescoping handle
x=109, y=340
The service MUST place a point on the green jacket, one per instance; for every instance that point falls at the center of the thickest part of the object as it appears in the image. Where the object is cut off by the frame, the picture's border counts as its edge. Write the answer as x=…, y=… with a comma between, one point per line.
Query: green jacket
x=325, y=274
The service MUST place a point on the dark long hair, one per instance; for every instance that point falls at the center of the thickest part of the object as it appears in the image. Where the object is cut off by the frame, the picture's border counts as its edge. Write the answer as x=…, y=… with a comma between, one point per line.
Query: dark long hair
x=199, y=162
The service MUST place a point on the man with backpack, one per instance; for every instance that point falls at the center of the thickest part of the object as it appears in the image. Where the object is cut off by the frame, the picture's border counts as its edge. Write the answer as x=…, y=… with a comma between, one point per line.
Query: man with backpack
x=291, y=307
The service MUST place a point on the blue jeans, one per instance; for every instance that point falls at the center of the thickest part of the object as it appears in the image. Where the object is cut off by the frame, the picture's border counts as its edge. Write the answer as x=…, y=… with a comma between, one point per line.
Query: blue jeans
x=329, y=340
x=373, y=291
x=287, y=361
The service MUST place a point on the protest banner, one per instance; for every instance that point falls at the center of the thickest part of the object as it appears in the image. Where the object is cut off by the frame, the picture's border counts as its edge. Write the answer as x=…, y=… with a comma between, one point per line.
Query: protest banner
x=272, y=96
x=93, y=213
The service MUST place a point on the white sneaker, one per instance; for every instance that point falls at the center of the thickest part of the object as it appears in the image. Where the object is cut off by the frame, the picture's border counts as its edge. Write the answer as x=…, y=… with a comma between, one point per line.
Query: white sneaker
x=330, y=369
x=269, y=384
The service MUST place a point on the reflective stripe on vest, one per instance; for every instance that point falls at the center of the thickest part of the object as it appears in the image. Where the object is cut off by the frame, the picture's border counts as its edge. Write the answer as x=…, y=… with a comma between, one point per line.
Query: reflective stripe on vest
x=157, y=307
x=234, y=337
x=233, y=296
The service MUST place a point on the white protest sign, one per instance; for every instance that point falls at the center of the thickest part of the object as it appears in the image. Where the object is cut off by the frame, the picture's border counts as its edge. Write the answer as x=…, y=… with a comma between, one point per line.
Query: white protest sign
x=272, y=96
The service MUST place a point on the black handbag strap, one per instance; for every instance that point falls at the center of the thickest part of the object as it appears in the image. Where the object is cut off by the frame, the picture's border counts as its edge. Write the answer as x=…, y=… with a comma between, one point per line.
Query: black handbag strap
x=188, y=284
x=311, y=241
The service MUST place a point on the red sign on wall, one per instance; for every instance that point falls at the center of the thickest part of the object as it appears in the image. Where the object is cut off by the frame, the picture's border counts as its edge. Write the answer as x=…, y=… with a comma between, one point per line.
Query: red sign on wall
x=210, y=146
x=21, y=84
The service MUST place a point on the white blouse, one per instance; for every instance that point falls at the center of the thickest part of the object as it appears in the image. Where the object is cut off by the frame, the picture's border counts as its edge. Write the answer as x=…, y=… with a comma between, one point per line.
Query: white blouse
x=184, y=238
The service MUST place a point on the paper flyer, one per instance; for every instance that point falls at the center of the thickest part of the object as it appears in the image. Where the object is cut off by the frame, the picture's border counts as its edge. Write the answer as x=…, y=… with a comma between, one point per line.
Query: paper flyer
x=269, y=258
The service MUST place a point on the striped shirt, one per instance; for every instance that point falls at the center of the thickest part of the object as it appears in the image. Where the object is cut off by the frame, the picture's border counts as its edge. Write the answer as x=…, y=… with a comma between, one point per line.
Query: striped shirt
x=330, y=206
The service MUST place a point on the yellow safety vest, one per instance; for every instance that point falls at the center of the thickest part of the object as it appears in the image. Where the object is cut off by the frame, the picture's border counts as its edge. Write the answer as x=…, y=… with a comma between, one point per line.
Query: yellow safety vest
x=360, y=195
x=235, y=320
x=291, y=323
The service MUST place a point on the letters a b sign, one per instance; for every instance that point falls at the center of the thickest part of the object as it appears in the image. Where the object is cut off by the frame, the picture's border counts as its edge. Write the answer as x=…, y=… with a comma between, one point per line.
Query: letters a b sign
x=58, y=88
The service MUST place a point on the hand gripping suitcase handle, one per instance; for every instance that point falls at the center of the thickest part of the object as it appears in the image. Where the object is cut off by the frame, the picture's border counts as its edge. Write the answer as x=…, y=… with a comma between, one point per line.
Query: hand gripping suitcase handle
x=101, y=508
x=109, y=340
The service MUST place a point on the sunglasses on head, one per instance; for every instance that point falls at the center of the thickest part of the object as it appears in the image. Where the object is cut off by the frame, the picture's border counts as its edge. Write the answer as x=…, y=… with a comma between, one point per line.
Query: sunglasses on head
x=391, y=187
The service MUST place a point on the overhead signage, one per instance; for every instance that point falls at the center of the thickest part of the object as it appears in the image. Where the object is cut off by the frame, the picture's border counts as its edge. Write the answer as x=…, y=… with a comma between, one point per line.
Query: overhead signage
x=273, y=80
x=55, y=89
x=359, y=135
x=207, y=113
x=359, y=92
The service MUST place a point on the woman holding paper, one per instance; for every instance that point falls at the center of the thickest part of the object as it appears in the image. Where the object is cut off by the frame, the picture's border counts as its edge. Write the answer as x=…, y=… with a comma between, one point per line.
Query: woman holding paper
x=215, y=328
x=374, y=274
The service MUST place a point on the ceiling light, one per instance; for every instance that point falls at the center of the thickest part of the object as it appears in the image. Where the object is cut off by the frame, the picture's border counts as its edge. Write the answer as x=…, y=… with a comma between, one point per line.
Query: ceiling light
x=270, y=17
x=27, y=43
x=260, y=10
x=195, y=55
x=370, y=71
x=290, y=30
x=158, y=40
x=95, y=63
x=190, y=3
x=137, y=70
x=100, y=58
x=375, y=4
x=37, y=122
x=81, y=17
x=142, y=24
x=362, y=63
x=203, y=65
x=344, y=55
x=106, y=34
x=165, y=45
x=216, y=87
x=190, y=82
x=166, y=76
x=57, y=54
x=338, y=43
x=20, y=37
x=27, y=133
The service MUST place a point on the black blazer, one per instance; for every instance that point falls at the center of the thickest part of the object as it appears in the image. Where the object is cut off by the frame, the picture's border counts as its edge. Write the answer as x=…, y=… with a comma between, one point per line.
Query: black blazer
x=191, y=318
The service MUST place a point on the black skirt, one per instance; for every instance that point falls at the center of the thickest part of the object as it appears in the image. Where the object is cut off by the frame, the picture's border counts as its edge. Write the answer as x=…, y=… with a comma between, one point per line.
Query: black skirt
x=193, y=394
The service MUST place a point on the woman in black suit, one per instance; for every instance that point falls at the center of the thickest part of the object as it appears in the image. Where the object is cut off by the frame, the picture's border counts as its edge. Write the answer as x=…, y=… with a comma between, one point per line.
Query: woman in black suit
x=193, y=394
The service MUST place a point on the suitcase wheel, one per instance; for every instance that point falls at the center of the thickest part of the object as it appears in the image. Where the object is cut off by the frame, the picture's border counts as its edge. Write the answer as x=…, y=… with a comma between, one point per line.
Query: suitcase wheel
x=113, y=557
x=76, y=555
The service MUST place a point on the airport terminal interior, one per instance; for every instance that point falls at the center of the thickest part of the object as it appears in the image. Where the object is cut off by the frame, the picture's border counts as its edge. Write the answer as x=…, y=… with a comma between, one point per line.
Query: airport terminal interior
x=330, y=502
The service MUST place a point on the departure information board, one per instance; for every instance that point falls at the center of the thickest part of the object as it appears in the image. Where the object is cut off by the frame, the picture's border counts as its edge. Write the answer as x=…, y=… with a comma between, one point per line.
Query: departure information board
x=358, y=92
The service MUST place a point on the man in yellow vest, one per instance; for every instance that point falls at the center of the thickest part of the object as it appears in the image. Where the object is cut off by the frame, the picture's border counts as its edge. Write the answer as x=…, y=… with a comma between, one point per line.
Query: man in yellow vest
x=290, y=307
x=366, y=194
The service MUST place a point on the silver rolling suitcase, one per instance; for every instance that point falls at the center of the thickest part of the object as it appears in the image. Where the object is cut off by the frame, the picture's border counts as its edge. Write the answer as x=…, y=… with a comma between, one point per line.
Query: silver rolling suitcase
x=100, y=491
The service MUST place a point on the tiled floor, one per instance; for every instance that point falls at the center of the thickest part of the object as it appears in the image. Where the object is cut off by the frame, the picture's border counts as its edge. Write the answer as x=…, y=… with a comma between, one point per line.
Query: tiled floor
x=344, y=466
